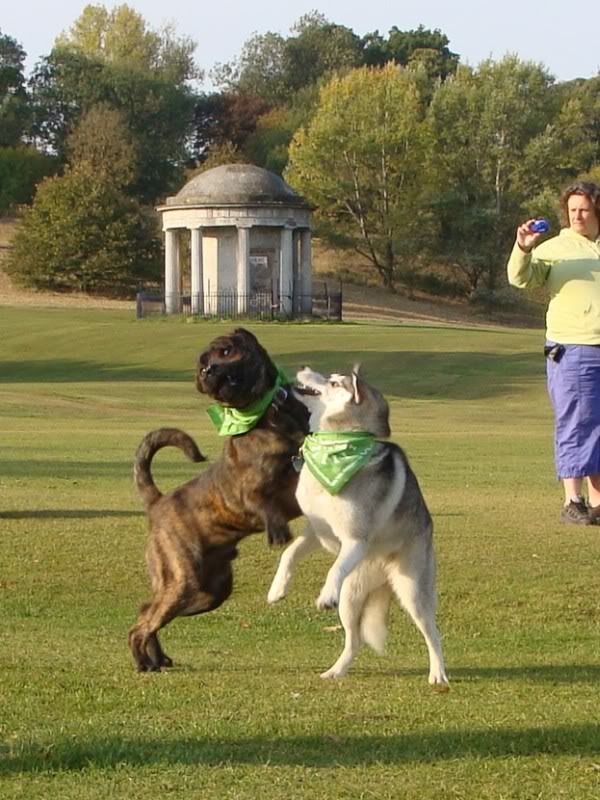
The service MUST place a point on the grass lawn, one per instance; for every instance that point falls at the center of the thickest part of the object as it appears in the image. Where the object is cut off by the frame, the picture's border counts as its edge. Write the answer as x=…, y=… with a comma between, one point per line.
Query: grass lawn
x=244, y=714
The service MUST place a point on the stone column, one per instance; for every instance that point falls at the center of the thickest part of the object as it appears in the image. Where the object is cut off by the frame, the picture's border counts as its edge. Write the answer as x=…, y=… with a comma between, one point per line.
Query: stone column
x=306, y=270
x=286, y=272
x=243, y=269
x=197, y=283
x=172, y=281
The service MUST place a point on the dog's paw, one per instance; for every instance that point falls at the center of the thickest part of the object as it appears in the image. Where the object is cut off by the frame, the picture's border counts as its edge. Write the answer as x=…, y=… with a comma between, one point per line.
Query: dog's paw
x=278, y=533
x=333, y=673
x=277, y=592
x=327, y=600
x=439, y=682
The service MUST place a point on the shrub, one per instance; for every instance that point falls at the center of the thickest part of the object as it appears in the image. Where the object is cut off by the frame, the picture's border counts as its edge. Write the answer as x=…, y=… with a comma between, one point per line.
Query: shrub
x=82, y=234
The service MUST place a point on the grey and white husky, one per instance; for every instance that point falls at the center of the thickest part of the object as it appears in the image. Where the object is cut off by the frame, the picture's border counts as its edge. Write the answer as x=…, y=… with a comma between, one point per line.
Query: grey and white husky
x=377, y=525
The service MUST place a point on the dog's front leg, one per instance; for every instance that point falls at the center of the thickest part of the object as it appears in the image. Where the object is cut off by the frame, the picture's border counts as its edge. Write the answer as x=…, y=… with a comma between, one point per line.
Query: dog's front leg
x=277, y=528
x=299, y=549
x=352, y=552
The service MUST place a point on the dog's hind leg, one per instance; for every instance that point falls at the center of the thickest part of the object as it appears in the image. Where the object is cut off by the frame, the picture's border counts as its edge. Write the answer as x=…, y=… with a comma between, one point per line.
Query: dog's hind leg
x=416, y=594
x=143, y=640
x=143, y=636
x=301, y=547
x=156, y=653
x=353, y=596
x=373, y=623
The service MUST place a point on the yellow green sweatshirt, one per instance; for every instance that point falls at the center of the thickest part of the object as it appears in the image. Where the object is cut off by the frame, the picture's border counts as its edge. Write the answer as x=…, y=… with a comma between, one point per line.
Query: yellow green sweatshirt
x=569, y=266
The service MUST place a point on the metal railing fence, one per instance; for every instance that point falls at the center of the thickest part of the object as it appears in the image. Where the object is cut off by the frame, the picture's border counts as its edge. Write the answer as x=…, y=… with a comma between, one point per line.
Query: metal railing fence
x=230, y=304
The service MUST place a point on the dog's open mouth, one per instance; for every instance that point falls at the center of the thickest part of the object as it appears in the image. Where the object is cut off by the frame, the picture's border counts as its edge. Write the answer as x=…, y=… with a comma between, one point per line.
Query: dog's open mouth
x=302, y=388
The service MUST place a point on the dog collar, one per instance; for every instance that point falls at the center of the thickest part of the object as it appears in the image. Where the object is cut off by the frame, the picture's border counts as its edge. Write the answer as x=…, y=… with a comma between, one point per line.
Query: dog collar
x=235, y=421
x=334, y=458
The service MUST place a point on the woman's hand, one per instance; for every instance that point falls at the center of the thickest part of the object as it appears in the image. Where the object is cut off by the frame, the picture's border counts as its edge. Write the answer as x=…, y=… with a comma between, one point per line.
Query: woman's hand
x=526, y=238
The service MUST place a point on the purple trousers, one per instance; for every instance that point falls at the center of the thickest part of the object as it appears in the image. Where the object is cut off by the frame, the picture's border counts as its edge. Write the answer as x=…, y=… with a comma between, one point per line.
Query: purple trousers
x=574, y=389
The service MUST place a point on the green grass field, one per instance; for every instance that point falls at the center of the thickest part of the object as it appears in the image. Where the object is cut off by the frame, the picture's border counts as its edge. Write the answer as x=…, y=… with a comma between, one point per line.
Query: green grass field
x=244, y=714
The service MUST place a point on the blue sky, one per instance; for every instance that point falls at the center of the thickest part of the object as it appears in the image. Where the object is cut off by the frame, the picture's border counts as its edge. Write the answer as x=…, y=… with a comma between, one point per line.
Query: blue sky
x=561, y=36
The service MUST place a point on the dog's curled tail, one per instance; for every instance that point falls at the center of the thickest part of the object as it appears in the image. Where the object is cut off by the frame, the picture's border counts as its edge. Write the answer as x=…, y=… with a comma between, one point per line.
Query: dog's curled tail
x=374, y=618
x=150, y=445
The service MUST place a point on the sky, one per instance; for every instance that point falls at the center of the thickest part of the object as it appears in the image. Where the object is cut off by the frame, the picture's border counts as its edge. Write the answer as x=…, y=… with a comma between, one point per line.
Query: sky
x=561, y=36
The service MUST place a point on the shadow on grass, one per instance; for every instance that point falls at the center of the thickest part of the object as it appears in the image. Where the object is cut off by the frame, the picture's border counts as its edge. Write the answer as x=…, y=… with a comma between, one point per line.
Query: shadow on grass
x=453, y=375
x=67, y=371
x=64, y=513
x=410, y=374
x=546, y=673
x=80, y=470
x=309, y=751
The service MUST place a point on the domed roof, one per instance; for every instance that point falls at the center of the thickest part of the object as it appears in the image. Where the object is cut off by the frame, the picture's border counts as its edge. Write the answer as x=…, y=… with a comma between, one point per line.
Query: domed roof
x=237, y=184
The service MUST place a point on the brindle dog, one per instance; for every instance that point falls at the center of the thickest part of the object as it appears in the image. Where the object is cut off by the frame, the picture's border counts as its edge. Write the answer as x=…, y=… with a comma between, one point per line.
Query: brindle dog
x=194, y=530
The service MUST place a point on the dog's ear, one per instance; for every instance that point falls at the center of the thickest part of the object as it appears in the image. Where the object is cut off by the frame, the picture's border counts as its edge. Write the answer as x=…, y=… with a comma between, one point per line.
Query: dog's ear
x=197, y=380
x=356, y=384
x=246, y=334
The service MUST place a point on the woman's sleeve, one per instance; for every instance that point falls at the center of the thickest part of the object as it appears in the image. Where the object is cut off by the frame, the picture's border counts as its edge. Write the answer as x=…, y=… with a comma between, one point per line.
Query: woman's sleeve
x=525, y=271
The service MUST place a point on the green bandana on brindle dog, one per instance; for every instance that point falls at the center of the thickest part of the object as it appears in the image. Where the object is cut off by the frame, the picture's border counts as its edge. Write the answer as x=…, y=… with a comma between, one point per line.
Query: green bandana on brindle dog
x=334, y=458
x=235, y=421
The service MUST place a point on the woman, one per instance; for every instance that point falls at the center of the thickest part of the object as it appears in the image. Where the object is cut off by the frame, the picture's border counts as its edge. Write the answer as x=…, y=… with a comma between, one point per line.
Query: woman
x=569, y=266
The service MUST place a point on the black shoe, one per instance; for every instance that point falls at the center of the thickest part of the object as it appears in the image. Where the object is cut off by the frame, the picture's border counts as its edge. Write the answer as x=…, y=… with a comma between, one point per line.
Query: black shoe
x=594, y=514
x=577, y=513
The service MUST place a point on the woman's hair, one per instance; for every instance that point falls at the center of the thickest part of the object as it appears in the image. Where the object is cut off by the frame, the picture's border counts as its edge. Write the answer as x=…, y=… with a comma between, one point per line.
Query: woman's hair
x=587, y=188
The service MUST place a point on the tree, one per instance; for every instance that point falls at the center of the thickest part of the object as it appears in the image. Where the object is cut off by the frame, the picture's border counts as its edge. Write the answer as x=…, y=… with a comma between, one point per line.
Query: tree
x=273, y=67
x=115, y=58
x=82, y=234
x=14, y=110
x=359, y=161
x=158, y=114
x=402, y=47
x=122, y=37
x=268, y=145
x=481, y=123
x=101, y=145
x=258, y=71
x=223, y=153
x=224, y=118
x=21, y=169
x=319, y=48
x=554, y=157
x=587, y=92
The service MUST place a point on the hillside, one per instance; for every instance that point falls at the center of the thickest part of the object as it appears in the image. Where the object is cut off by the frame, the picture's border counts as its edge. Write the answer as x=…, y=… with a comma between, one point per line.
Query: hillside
x=361, y=301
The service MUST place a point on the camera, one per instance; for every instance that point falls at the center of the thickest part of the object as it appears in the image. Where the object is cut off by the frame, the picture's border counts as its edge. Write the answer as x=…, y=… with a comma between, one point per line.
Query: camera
x=540, y=226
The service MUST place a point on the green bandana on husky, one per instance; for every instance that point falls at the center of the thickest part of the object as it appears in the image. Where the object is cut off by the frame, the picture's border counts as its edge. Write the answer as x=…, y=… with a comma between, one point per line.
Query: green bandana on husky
x=234, y=421
x=333, y=458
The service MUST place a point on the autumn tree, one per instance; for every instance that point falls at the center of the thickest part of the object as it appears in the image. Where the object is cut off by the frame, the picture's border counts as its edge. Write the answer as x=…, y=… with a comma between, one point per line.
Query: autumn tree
x=225, y=119
x=359, y=161
x=122, y=37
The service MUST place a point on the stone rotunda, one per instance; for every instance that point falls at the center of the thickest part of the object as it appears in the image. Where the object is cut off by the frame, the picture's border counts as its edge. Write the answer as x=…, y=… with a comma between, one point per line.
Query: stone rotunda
x=249, y=235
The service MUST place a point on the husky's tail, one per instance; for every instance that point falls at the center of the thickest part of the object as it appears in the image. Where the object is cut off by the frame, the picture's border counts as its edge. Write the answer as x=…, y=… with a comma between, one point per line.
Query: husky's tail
x=151, y=444
x=374, y=618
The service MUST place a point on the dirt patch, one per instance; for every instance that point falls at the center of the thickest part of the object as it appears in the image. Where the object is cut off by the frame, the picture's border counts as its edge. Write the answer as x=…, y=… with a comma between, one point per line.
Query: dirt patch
x=11, y=296
x=371, y=303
